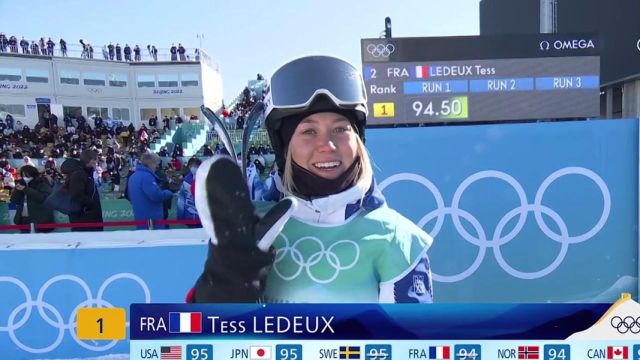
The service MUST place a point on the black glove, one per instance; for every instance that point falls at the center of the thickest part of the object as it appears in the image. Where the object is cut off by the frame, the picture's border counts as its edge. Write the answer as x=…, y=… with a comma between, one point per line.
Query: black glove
x=240, y=254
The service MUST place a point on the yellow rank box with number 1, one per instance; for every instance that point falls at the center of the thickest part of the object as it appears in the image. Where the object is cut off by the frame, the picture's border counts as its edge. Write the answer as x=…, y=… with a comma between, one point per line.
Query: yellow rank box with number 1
x=386, y=109
x=102, y=324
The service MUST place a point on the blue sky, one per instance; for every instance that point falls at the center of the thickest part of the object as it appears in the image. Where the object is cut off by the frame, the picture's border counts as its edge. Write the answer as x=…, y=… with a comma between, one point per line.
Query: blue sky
x=245, y=37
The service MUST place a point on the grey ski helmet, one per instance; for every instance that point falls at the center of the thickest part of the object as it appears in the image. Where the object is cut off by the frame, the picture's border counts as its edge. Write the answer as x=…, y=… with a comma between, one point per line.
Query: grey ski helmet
x=309, y=85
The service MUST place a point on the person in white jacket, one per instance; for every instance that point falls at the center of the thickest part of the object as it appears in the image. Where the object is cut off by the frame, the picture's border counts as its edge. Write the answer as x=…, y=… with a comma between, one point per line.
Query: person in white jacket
x=330, y=238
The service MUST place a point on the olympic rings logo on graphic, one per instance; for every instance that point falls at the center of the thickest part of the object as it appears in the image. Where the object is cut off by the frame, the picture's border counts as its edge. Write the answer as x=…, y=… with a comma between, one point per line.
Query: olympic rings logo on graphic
x=58, y=322
x=497, y=239
x=626, y=324
x=381, y=50
x=306, y=264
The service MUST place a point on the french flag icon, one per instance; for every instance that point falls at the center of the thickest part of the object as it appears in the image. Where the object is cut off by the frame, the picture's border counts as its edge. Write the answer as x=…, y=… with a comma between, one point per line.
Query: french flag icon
x=185, y=322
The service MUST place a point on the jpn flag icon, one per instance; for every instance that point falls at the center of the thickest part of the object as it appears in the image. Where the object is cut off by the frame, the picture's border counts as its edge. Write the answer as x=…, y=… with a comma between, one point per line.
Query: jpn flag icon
x=422, y=72
x=185, y=322
x=260, y=352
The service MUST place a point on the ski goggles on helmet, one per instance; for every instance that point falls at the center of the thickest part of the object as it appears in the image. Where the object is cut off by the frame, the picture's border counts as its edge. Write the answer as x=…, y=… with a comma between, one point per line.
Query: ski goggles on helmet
x=295, y=86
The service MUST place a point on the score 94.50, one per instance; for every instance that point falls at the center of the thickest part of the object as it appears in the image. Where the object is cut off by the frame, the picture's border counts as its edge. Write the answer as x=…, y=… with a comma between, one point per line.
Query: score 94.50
x=449, y=108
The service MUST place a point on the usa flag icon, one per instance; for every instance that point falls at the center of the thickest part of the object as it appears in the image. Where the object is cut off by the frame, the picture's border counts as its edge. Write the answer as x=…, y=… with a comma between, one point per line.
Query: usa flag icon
x=185, y=322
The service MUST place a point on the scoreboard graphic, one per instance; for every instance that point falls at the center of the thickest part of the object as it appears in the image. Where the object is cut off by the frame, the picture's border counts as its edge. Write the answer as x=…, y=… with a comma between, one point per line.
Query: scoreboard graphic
x=481, y=78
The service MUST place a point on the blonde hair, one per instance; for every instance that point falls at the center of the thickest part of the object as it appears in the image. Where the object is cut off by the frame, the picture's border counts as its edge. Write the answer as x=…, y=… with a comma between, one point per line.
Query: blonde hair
x=365, y=171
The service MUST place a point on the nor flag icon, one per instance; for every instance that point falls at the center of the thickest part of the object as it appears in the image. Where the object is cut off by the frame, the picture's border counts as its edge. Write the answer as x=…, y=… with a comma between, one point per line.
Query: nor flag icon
x=260, y=352
x=185, y=322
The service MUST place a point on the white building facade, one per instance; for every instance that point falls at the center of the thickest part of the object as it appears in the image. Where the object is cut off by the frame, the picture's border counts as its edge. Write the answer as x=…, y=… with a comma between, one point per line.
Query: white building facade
x=129, y=92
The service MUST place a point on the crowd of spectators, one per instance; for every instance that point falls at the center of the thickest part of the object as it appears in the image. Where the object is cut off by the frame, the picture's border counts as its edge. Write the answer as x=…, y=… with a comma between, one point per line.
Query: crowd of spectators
x=243, y=106
x=120, y=151
x=109, y=52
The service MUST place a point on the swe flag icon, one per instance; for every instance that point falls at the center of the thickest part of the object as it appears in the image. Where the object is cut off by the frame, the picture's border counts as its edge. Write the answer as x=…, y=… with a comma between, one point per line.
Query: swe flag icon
x=185, y=322
x=422, y=72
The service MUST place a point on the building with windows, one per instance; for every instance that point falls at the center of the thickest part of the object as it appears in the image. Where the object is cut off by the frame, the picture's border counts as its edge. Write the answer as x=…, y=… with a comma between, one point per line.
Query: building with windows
x=125, y=91
x=615, y=22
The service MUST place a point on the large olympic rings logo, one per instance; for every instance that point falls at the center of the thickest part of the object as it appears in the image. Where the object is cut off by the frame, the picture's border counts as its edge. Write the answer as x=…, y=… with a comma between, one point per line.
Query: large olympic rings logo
x=13, y=324
x=381, y=50
x=626, y=324
x=333, y=261
x=498, y=238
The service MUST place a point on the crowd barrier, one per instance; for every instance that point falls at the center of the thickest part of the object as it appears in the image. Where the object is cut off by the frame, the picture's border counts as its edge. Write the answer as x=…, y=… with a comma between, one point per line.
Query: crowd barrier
x=40, y=163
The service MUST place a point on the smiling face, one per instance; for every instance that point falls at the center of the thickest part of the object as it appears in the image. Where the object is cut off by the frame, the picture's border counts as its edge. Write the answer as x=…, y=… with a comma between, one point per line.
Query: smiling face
x=324, y=144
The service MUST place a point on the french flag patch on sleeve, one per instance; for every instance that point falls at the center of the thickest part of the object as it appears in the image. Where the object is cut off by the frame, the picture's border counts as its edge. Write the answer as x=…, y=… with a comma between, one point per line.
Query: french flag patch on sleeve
x=185, y=322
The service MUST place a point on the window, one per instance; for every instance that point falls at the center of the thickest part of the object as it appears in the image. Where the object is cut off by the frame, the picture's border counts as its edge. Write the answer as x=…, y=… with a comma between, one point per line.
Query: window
x=120, y=114
x=117, y=80
x=70, y=77
x=146, y=80
x=72, y=111
x=168, y=80
x=169, y=112
x=189, y=79
x=94, y=79
x=37, y=76
x=10, y=74
x=103, y=112
x=194, y=111
x=145, y=114
x=13, y=109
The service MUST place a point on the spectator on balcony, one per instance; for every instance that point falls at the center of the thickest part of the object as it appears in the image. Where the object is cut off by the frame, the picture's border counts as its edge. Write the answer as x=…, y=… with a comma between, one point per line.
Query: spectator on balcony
x=13, y=44
x=182, y=51
x=34, y=48
x=29, y=195
x=4, y=42
x=111, y=48
x=83, y=190
x=153, y=52
x=118, y=52
x=136, y=53
x=43, y=46
x=90, y=51
x=105, y=52
x=63, y=47
x=197, y=54
x=127, y=52
x=85, y=50
x=174, y=52
x=24, y=44
x=144, y=192
x=50, y=46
